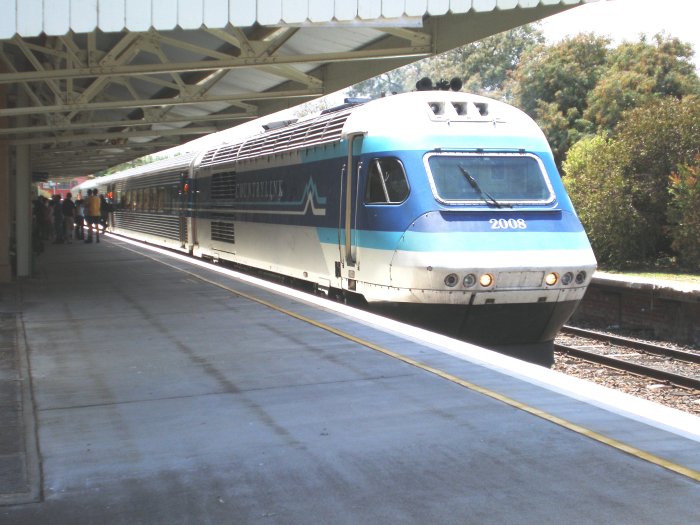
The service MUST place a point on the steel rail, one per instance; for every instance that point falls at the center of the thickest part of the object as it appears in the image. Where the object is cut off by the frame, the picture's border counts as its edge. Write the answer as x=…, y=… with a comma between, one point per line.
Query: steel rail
x=651, y=348
x=627, y=366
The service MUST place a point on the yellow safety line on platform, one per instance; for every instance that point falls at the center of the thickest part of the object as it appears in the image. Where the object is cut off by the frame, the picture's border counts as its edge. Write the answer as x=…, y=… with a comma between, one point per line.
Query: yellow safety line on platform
x=628, y=449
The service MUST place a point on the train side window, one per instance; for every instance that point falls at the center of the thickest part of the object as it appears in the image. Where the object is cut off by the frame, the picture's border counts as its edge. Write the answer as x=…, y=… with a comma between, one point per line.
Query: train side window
x=160, y=199
x=146, y=199
x=386, y=183
x=153, y=199
x=172, y=197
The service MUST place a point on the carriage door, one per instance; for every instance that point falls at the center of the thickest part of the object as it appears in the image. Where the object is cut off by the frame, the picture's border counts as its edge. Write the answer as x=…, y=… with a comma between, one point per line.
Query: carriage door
x=348, y=225
x=183, y=198
x=109, y=203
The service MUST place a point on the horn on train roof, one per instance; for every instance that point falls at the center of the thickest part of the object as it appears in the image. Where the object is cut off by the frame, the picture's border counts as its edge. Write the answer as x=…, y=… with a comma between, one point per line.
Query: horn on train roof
x=426, y=84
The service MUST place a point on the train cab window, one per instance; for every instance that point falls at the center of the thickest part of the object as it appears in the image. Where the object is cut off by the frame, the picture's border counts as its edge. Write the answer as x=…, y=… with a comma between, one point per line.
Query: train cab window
x=386, y=182
x=494, y=179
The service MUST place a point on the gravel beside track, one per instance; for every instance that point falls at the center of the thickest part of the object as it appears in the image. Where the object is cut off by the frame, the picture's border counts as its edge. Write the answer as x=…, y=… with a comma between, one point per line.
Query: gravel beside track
x=660, y=392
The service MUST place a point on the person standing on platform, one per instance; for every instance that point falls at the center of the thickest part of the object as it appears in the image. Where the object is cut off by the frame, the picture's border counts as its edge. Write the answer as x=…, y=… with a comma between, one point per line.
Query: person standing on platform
x=57, y=219
x=93, y=215
x=79, y=220
x=68, y=207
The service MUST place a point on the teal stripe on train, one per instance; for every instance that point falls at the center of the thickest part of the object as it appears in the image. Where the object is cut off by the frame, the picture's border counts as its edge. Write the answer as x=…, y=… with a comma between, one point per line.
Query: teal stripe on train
x=460, y=241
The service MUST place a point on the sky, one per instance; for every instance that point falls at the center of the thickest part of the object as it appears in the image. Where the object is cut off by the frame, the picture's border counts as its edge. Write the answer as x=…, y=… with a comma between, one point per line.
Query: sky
x=625, y=20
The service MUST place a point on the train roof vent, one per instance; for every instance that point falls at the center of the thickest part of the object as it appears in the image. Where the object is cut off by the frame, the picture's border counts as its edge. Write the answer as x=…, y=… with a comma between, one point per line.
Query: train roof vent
x=438, y=108
x=441, y=110
x=324, y=129
x=483, y=108
x=208, y=156
x=222, y=154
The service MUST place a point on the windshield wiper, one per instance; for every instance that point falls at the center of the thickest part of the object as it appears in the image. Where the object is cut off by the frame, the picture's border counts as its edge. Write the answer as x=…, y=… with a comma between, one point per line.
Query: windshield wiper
x=485, y=196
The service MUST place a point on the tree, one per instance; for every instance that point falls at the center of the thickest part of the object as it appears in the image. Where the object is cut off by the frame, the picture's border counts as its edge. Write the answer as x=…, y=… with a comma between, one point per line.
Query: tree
x=620, y=183
x=485, y=67
x=385, y=84
x=601, y=192
x=555, y=80
x=638, y=72
x=660, y=136
x=684, y=214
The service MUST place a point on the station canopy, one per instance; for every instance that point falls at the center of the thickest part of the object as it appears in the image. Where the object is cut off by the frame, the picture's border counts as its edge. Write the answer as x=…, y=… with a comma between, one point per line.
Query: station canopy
x=93, y=83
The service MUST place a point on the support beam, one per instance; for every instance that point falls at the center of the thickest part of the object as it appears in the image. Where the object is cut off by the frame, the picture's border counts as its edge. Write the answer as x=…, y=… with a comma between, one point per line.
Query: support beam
x=119, y=135
x=175, y=101
x=23, y=211
x=5, y=216
x=23, y=204
x=68, y=126
x=245, y=63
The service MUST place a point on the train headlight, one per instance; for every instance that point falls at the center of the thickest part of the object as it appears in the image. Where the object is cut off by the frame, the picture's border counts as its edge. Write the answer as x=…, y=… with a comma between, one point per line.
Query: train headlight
x=581, y=277
x=486, y=280
x=451, y=280
x=567, y=278
x=469, y=280
x=551, y=278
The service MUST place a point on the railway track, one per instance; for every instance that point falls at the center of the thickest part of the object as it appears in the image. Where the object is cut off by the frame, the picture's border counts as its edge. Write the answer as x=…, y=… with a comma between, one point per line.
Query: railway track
x=660, y=363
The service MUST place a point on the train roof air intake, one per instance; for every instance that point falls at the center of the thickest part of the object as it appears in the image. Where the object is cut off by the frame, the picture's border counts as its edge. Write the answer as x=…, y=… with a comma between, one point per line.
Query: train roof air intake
x=460, y=110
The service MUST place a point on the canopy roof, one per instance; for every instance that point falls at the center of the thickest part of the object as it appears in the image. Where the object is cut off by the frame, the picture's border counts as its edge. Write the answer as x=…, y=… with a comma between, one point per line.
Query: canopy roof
x=93, y=83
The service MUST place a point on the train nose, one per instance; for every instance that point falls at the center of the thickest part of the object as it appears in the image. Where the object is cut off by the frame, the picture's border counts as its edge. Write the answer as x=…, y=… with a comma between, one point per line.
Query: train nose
x=426, y=259
x=457, y=258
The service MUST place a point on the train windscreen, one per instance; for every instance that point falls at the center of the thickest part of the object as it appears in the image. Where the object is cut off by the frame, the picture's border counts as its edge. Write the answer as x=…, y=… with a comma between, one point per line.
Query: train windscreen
x=495, y=179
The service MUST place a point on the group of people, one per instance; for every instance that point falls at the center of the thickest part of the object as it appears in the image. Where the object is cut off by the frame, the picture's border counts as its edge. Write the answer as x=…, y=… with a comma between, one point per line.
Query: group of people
x=61, y=221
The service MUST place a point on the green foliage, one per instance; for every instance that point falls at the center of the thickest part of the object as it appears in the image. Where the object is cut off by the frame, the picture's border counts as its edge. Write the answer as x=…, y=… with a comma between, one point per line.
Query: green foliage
x=666, y=61
x=620, y=185
x=664, y=133
x=684, y=214
x=485, y=67
x=312, y=107
x=600, y=191
x=561, y=74
x=660, y=136
x=557, y=79
x=636, y=74
x=617, y=92
x=390, y=82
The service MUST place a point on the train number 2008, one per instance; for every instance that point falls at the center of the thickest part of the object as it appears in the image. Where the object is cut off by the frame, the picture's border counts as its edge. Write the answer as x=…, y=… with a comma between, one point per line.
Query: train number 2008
x=508, y=224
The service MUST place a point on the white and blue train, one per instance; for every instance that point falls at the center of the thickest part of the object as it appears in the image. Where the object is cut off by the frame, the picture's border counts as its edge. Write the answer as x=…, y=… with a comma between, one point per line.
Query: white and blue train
x=445, y=203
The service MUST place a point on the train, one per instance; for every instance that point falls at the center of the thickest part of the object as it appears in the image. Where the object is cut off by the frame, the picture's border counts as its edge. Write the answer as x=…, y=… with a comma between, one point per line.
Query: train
x=440, y=207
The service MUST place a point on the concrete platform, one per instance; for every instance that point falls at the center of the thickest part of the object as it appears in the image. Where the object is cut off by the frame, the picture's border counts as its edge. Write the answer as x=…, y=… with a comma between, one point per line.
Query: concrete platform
x=160, y=391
